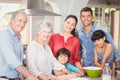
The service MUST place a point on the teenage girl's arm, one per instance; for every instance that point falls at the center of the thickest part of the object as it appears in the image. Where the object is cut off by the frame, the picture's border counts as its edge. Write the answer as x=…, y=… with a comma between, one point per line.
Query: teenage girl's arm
x=96, y=59
x=108, y=51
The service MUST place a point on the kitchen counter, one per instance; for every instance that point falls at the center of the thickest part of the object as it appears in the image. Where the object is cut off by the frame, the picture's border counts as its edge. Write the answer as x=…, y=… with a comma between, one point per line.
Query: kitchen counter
x=86, y=78
x=73, y=77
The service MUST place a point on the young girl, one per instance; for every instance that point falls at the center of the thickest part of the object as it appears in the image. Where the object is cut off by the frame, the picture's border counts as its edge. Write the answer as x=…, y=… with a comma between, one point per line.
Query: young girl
x=103, y=51
x=63, y=55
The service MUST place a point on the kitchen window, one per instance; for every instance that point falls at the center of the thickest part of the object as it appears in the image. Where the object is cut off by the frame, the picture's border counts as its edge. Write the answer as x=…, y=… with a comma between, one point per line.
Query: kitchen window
x=4, y=9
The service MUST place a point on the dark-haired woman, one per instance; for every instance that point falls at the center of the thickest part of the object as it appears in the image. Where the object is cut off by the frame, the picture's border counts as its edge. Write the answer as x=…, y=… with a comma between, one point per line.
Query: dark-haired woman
x=68, y=39
x=103, y=51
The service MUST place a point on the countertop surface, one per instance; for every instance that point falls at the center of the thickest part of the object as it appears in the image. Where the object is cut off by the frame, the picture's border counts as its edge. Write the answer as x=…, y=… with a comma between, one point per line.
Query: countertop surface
x=73, y=77
x=86, y=78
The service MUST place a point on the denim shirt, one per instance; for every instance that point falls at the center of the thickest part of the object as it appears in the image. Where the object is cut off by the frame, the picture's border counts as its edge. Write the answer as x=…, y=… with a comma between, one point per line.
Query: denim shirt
x=87, y=46
x=11, y=53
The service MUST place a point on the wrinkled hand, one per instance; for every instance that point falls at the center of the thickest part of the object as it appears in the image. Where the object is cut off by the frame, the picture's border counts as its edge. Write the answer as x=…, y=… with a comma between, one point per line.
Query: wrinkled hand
x=32, y=77
x=52, y=77
x=22, y=78
x=47, y=77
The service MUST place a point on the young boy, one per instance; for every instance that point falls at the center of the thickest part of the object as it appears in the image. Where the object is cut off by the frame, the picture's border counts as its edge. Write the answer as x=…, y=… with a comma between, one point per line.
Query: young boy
x=63, y=56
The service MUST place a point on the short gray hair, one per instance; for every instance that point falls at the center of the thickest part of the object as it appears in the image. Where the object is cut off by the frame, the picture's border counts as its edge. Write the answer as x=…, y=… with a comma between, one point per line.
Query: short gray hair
x=42, y=24
x=17, y=12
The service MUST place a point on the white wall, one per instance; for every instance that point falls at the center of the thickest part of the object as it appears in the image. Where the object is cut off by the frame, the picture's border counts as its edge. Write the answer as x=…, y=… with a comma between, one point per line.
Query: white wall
x=9, y=1
x=70, y=7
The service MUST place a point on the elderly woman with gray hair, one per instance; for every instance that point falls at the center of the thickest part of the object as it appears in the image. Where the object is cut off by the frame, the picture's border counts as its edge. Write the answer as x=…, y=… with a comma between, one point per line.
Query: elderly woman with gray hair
x=40, y=60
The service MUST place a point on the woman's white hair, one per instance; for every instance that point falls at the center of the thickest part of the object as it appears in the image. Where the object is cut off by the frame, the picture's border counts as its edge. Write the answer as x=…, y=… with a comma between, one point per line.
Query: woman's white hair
x=42, y=24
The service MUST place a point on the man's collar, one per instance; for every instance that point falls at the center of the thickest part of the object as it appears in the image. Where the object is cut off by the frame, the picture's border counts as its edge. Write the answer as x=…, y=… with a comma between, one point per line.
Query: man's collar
x=13, y=33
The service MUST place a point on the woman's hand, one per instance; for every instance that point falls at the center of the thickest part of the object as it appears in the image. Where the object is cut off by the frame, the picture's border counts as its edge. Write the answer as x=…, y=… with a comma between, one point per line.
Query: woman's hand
x=51, y=77
x=59, y=72
x=32, y=77
x=81, y=72
x=47, y=77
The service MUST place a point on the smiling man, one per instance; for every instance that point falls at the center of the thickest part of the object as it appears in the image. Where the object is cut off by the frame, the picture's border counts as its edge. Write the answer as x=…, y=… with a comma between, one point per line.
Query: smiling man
x=85, y=33
x=11, y=50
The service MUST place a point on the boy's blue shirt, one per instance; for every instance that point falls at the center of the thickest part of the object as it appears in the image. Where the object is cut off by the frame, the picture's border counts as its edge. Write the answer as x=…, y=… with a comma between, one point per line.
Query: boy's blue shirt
x=71, y=68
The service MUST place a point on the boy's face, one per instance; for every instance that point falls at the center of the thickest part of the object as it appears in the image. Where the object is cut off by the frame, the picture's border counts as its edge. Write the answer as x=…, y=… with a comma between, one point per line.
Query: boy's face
x=63, y=59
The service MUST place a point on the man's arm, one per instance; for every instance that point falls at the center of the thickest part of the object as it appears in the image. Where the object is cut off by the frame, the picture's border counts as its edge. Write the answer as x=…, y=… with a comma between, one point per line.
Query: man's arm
x=26, y=73
x=109, y=38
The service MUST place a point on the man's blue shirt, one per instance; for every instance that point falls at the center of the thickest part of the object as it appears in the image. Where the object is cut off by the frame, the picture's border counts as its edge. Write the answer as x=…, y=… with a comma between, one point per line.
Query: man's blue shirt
x=87, y=46
x=11, y=53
